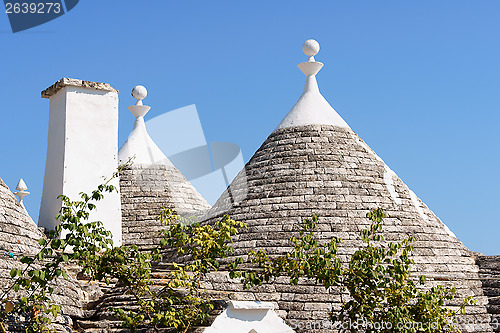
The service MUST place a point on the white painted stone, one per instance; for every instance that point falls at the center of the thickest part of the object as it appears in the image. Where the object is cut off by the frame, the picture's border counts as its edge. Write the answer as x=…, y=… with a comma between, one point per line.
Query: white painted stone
x=418, y=207
x=252, y=305
x=21, y=191
x=82, y=150
x=311, y=108
x=389, y=175
x=139, y=146
x=389, y=183
x=310, y=47
x=248, y=316
x=416, y=204
x=139, y=93
x=21, y=185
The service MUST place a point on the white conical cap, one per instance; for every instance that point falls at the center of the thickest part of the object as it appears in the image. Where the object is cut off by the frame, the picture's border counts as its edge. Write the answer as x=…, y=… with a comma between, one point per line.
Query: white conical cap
x=139, y=146
x=21, y=185
x=21, y=191
x=311, y=108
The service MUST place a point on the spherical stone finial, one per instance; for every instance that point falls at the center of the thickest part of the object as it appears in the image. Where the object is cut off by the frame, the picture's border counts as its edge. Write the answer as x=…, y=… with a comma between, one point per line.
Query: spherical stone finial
x=310, y=47
x=139, y=92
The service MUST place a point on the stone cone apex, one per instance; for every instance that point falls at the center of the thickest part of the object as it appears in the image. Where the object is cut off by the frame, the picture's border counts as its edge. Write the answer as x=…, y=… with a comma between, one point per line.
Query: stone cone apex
x=17, y=231
x=314, y=165
x=151, y=182
x=21, y=185
x=311, y=108
x=21, y=191
x=140, y=148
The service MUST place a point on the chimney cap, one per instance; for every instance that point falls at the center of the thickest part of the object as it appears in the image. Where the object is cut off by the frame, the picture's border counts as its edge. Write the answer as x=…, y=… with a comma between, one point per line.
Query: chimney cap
x=64, y=82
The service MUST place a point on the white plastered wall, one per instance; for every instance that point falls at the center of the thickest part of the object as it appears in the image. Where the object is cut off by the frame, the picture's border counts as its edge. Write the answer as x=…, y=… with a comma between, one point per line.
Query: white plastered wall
x=82, y=151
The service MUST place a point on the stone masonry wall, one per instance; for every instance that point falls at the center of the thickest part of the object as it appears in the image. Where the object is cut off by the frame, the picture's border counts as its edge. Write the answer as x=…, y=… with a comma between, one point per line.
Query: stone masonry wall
x=145, y=191
x=489, y=273
x=18, y=237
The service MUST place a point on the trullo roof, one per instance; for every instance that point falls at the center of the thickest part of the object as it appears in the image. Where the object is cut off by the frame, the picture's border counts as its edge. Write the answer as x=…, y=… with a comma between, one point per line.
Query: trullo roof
x=19, y=236
x=151, y=183
x=314, y=162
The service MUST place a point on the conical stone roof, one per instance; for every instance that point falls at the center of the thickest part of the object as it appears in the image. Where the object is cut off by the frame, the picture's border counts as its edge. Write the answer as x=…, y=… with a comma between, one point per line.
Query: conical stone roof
x=150, y=184
x=313, y=163
x=18, y=232
x=145, y=190
x=19, y=236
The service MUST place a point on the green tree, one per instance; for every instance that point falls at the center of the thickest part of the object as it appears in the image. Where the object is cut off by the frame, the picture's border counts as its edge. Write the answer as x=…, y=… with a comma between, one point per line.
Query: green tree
x=73, y=240
x=183, y=300
x=383, y=296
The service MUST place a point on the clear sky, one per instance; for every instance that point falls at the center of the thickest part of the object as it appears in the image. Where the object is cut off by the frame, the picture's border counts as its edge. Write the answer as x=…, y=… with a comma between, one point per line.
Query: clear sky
x=419, y=81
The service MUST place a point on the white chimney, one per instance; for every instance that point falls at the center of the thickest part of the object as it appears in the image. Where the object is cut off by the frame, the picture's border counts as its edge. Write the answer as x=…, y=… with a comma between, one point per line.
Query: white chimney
x=82, y=150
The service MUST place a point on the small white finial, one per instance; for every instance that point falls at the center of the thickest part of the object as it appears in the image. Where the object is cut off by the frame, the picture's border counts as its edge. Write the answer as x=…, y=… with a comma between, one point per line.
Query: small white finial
x=21, y=191
x=311, y=66
x=21, y=185
x=139, y=93
x=310, y=48
x=138, y=110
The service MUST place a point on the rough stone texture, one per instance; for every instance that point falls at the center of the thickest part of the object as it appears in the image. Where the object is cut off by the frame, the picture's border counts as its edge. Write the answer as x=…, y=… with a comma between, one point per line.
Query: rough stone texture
x=489, y=273
x=145, y=190
x=331, y=172
x=19, y=235
x=100, y=316
x=18, y=232
x=65, y=82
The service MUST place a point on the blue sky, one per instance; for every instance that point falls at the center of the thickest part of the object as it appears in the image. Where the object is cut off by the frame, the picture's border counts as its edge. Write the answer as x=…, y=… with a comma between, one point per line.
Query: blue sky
x=418, y=81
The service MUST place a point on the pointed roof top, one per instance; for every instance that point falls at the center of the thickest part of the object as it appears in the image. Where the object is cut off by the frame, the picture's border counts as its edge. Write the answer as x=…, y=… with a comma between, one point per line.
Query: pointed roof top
x=313, y=163
x=139, y=145
x=151, y=183
x=21, y=192
x=21, y=185
x=18, y=232
x=311, y=108
x=19, y=236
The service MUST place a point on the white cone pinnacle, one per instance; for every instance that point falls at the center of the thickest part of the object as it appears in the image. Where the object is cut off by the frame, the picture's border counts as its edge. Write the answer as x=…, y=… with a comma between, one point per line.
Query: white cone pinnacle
x=311, y=108
x=139, y=145
x=21, y=190
x=21, y=185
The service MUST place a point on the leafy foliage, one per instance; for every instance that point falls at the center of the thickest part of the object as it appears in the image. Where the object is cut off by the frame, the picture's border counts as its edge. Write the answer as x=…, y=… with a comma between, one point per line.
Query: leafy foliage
x=183, y=301
x=307, y=259
x=74, y=240
x=383, y=297
x=180, y=302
